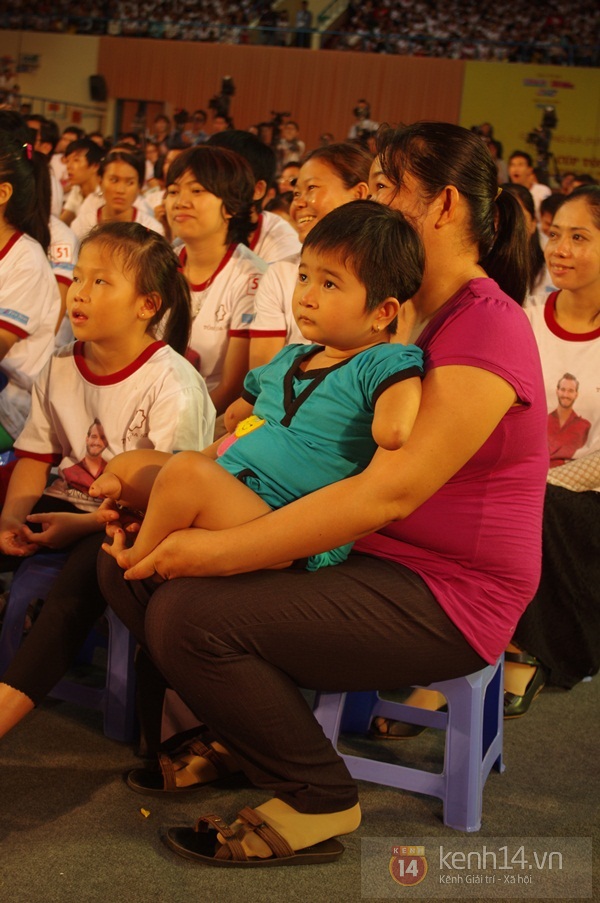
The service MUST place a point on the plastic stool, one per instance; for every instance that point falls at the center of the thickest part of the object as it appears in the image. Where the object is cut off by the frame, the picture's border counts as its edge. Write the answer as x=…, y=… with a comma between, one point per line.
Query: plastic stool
x=474, y=732
x=116, y=699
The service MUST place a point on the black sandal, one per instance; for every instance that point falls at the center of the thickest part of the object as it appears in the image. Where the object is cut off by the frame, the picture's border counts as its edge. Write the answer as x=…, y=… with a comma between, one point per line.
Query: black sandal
x=389, y=729
x=517, y=706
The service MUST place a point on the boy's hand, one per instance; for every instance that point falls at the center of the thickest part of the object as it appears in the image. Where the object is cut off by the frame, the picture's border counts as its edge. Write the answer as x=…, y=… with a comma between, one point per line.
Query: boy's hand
x=108, y=486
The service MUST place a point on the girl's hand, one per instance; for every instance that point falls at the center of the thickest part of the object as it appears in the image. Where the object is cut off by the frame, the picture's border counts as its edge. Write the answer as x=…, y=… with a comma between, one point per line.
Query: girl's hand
x=112, y=517
x=14, y=542
x=60, y=528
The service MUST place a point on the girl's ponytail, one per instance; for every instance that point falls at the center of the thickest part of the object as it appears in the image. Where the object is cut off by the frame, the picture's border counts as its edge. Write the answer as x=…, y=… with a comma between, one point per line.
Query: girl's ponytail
x=38, y=222
x=28, y=208
x=179, y=322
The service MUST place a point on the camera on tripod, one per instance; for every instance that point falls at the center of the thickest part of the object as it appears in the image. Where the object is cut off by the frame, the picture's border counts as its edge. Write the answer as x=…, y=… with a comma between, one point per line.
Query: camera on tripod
x=220, y=103
x=541, y=137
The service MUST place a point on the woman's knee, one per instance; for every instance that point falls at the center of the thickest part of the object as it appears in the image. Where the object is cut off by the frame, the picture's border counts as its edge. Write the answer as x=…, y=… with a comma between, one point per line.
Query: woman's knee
x=181, y=618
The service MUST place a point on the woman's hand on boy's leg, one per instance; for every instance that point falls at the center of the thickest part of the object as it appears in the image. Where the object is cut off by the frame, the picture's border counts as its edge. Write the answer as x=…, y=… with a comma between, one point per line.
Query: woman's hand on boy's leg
x=124, y=555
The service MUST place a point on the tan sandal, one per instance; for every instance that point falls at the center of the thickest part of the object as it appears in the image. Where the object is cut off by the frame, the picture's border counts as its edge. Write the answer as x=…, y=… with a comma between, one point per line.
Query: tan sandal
x=161, y=780
x=201, y=844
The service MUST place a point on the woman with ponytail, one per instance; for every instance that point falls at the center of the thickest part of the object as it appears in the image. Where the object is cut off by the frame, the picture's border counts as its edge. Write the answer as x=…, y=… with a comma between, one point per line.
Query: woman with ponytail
x=29, y=296
x=446, y=529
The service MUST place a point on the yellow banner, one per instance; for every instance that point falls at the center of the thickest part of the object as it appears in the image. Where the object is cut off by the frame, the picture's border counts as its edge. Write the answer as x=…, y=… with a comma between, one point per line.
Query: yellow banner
x=513, y=97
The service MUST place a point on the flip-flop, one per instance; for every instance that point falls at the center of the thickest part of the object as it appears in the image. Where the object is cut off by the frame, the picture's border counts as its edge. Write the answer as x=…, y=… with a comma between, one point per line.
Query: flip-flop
x=160, y=780
x=200, y=844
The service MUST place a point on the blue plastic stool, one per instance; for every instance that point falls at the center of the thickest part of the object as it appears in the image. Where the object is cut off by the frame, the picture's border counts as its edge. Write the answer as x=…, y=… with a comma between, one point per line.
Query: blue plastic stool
x=116, y=699
x=474, y=732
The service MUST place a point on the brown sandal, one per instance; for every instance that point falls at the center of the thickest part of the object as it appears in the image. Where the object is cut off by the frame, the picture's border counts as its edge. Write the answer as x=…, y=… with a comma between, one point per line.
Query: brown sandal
x=162, y=781
x=200, y=843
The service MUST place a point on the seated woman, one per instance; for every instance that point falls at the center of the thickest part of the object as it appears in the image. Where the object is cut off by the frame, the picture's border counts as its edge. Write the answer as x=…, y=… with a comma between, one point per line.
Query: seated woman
x=29, y=296
x=447, y=533
x=208, y=205
x=121, y=178
x=557, y=640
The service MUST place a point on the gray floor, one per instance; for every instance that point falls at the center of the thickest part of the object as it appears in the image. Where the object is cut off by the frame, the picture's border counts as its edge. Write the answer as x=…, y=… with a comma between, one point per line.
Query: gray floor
x=71, y=830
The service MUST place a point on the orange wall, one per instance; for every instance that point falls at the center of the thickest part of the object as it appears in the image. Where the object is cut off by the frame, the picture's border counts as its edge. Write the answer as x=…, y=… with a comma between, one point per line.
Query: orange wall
x=319, y=88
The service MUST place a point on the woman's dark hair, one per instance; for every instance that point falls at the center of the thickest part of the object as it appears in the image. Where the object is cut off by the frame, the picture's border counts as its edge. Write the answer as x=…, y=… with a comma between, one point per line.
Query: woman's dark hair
x=377, y=244
x=591, y=195
x=350, y=162
x=28, y=208
x=537, y=261
x=226, y=175
x=260, y=157
x=156, y=270
x=438, y=154
x=131, y=157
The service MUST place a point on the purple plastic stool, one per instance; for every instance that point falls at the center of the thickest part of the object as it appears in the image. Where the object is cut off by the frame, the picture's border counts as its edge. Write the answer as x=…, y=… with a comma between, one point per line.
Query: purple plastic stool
x=474, y=731
x=116, y=699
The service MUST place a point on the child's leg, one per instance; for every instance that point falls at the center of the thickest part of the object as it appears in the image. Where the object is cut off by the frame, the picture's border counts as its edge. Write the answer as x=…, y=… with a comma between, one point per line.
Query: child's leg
x=191, y=490
x=129, y=477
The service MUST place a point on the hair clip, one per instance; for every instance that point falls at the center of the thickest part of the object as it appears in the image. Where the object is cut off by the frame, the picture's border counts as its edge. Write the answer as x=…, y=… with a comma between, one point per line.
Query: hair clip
x=28, y=148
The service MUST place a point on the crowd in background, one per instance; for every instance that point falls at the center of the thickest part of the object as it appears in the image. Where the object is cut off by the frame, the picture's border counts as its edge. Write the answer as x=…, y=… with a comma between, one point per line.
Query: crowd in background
x=462, y=30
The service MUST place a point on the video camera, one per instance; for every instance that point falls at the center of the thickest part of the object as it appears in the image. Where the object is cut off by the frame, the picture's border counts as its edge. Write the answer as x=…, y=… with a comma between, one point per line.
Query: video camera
x=219, y=104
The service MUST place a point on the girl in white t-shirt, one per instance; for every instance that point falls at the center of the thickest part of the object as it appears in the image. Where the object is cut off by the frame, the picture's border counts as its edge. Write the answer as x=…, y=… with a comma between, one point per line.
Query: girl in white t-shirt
x=208, y=201
x=121, y=179
x=29, y=296
x=116, y=388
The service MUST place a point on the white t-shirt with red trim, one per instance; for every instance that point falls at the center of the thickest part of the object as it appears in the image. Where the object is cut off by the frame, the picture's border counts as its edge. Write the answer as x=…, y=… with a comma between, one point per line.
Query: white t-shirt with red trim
x=159, y=401
x=274, y=315
x=569, y=352
x=29, y=308
x=273, y=238
x=223, y=307
x=91, y=216
x=63, y=250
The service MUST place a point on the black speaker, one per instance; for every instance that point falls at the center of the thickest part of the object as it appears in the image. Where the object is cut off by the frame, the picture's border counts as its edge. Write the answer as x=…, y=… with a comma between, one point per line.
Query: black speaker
x=98, y=90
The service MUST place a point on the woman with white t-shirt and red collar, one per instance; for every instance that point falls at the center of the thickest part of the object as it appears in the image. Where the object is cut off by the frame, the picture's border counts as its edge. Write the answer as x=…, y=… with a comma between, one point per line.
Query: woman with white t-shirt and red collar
x=29, y=296
x=557, y=640
x=208, y=203
x=329, y=177
x=122, y=174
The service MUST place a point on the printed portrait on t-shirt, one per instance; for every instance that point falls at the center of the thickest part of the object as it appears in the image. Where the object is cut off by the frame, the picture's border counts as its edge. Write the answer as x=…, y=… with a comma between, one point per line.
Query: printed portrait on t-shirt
x=567, y=430
x=81, y=475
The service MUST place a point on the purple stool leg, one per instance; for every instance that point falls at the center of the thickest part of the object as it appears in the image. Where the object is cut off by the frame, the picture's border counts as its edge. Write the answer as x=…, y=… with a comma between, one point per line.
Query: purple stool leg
x=474, y=735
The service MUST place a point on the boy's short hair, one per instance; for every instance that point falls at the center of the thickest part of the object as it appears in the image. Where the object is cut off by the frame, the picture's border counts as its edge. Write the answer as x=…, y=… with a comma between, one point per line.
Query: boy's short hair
x=378, y=245
x=551, y=203
x=92, y=151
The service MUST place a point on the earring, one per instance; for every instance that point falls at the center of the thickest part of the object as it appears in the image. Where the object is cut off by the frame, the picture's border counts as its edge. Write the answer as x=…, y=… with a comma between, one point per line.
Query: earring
x=377, y=328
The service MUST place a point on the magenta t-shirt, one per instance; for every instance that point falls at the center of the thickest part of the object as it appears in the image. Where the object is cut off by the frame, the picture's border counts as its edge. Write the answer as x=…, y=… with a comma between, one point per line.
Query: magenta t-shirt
x=477, y=542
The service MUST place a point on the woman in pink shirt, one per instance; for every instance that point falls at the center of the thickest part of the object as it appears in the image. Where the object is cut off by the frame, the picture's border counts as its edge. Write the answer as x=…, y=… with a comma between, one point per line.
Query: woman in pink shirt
x=447, y=529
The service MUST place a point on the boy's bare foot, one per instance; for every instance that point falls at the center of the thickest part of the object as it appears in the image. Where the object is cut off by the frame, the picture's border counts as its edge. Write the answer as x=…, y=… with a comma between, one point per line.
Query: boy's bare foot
x=107, y=485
